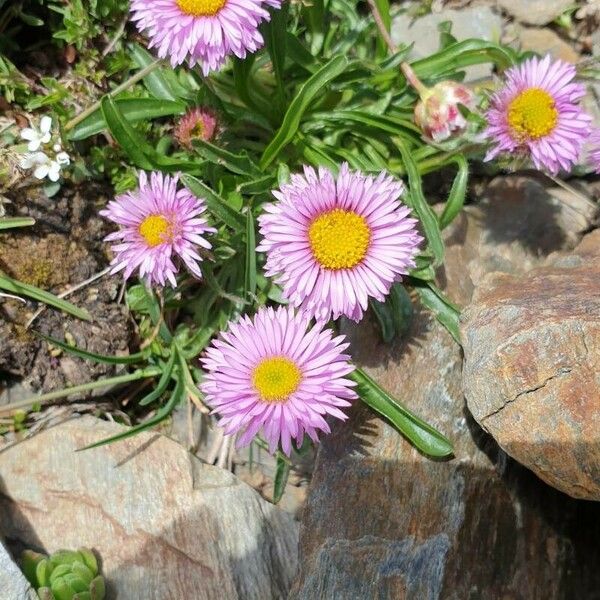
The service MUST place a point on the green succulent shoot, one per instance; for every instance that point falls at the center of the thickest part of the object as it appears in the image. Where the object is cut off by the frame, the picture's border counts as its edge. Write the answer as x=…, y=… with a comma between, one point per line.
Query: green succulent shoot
x=64, y=575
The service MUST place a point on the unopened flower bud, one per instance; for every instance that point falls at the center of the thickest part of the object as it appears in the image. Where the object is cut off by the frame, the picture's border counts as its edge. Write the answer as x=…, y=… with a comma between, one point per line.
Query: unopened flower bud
x=197, y=124
x=437, y=113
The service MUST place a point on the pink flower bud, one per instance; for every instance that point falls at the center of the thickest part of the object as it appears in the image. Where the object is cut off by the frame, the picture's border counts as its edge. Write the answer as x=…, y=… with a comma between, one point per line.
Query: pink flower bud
x=197, y=124
x=437, y=113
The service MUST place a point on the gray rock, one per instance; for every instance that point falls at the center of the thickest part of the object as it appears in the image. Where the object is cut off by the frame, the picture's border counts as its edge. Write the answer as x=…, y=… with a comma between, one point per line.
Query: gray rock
x=546, y=41
x=480, y=22
x=165, y=525
x=535, y=12
x=381, y=520
x=13, y=585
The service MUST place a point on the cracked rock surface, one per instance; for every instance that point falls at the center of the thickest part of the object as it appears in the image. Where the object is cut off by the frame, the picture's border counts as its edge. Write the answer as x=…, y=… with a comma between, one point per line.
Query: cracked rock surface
x=381, y=520
x=532, y=367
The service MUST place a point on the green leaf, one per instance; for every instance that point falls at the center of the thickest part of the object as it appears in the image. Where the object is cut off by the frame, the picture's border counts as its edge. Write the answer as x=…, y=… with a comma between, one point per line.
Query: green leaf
x=250, y=274
x=395, y=315
x=43, y=571
x=463, y=54
x=23, y=289
x=458, y=192
x=161, y=414
x=61, y=590
x=446, y=37
x=12, y=222
x=162, y=384
x=257, y=186
x=385, y=319
x=282, y=473
x=422, y=435
x=236, y=163
x=161, y=83
x=217, y=206
x=383, y=7
x=245, y=86
x=29, y=563
x=299, y=54
x=75, y=583
x=311, y=88
x=89, y=558
x=101, y=358
x=132, y=109
x=425, y=213
x=445, y=312
x=317, y=22
x=136, y=148
x=98, y=588
x=388, y=124
x=275, y=41
x=83, y=572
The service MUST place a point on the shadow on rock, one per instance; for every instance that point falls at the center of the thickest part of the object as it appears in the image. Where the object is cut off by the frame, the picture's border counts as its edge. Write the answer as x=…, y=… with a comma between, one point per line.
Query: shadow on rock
x=166, y=526
x=413, y=528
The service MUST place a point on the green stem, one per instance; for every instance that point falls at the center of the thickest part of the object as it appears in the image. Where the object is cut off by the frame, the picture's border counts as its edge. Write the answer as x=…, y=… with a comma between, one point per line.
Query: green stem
x=86, y=387
x=121, y=88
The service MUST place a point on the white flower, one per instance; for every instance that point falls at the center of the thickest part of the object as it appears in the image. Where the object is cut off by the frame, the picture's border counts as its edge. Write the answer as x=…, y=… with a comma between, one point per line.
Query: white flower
x=44, y=165
x=31, y=159
x=49, y=169
x=37, y=138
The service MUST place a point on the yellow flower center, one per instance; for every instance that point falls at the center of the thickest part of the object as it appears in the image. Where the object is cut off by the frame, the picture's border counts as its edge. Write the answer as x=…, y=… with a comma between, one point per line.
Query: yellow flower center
x=532, y=114
x=339, y=239
x=155, y=229
x=276, y=378
x=198, y=130
x=201, y=8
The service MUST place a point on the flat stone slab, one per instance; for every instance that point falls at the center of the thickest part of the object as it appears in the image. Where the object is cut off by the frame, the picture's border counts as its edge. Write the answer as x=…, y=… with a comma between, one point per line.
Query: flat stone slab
x=165, y=525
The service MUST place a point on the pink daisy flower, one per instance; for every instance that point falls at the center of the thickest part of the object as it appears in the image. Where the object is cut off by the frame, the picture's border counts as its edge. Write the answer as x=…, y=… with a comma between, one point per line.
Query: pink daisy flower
x=202, y=31
x=157, y=222
x=197, y=124
x=537, y=113
x=270, y=373
x=332, y=243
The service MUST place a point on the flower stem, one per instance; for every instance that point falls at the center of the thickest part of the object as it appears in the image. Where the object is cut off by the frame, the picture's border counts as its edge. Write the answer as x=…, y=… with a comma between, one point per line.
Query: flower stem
x=45, y=398
x=121, y=88
x=385, y=34
x=412, y=78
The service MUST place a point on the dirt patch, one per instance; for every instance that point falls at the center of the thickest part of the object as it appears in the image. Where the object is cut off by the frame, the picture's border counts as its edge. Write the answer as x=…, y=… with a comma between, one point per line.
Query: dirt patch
x=63, y=249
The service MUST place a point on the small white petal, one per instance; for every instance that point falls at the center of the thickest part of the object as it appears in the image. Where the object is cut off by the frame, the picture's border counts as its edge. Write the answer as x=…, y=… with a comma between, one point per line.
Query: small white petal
x=33, y=145
x=54, y=171
x=46, y=124
x=29, y=134
x=26, y=161
x=41, y=171
x=57, y=148
x=31, y=159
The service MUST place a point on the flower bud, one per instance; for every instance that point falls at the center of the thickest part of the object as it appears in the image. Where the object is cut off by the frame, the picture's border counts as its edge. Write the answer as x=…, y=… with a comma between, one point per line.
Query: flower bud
x=197, y=124
x=437, y=113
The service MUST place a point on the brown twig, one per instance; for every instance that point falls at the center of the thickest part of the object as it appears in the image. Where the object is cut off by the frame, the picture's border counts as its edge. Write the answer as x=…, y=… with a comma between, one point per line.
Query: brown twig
x=71, y=290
